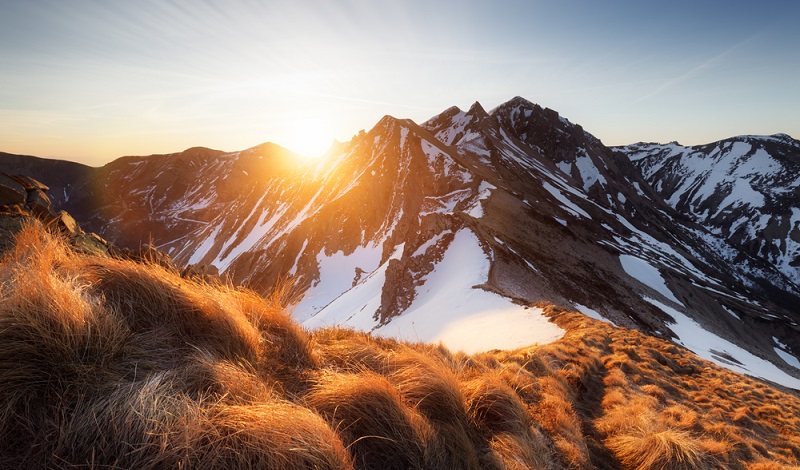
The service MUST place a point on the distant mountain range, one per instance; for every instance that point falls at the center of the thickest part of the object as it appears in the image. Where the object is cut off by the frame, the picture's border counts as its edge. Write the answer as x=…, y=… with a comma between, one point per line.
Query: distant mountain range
x=456, y=228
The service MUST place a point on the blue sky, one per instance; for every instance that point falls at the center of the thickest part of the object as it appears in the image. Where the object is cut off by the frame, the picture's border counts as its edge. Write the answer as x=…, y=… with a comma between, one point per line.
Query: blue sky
x=95, y=80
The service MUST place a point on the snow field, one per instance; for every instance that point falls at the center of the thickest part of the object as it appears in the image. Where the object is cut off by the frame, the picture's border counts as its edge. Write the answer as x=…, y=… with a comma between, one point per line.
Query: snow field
x=447, y=308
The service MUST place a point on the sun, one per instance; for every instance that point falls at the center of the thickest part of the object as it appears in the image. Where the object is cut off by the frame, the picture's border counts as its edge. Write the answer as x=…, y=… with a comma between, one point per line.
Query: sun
x=308, y=137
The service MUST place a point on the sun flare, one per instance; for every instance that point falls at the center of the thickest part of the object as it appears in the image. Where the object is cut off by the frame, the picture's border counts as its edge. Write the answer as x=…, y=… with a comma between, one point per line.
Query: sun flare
x=309, y=137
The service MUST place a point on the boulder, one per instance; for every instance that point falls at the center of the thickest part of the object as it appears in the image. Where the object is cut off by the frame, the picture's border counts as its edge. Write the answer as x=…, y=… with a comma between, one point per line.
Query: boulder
x=67, y=224
x=29, y=183
x=10, y=225
x=11, y=191
x=39, y=203
x=91, y=243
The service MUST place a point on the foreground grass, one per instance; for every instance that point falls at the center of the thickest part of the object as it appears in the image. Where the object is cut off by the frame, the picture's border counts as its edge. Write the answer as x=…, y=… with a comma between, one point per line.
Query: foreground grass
x=107, y=363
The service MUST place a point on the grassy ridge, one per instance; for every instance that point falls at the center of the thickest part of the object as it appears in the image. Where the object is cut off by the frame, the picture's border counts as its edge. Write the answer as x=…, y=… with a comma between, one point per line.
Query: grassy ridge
x=108, y=363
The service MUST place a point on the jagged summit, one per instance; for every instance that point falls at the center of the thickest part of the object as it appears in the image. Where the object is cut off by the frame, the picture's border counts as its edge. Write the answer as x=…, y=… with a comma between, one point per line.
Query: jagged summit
x=515, y=102
x=389, y=122
x=477, y=110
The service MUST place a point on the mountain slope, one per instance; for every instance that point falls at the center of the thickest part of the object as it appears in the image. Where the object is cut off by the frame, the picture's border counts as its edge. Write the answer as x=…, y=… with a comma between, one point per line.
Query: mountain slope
x=460, y=224
x=745, y=189
x=112, y=363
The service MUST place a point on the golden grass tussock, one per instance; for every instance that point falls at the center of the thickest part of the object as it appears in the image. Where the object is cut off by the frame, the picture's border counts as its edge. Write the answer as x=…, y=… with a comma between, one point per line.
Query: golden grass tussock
x=272, y=434
x=113, y=363
x=511, y=451
x=378, y=428
x=495, y=407
x=348, y=350
x=645, y=449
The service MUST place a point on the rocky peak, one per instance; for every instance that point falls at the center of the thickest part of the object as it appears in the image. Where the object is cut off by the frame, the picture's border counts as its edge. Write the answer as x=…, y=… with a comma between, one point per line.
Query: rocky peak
x=544, y=127
x=477, y=111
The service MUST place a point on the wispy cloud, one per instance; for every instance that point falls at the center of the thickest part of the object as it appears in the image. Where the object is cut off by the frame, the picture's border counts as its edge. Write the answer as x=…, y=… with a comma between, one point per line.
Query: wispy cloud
x=695, y=71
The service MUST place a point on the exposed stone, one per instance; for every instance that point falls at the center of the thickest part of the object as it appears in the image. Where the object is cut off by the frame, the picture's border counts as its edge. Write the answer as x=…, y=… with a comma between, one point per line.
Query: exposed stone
x=11, y=191
x=10, y=225
x=29, y=183
x=91, y=243
x=67, y=224
x=24, y=201
x=359, y=272
x=204, y=272
x=38, y=202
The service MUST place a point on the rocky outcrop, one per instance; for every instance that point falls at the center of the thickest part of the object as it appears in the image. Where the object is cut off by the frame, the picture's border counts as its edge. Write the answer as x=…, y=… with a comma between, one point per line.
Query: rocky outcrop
x=24, y=199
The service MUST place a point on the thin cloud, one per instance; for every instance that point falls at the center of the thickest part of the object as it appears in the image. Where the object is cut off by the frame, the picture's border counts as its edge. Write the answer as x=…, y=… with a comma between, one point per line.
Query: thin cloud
x=708, y=64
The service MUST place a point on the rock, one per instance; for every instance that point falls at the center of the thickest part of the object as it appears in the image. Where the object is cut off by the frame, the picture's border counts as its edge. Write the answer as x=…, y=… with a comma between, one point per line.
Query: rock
x=359, y=272
x=150, y=253
x=11, y=191
x=39, y=203
x=29, y=183
x=67, y=224
x=145, y=254
x=202, y=272
x=23, y=200
x=91, y=243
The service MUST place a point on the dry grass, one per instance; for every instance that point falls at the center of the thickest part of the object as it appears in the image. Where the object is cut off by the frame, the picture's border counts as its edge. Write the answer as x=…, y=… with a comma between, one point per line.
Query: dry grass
x=646, y=449
x=112, y=363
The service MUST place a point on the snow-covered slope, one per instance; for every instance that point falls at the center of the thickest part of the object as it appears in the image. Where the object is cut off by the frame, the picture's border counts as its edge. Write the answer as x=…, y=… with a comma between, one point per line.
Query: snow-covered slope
x=453, y=230
x=745, y=190
x=446, y=307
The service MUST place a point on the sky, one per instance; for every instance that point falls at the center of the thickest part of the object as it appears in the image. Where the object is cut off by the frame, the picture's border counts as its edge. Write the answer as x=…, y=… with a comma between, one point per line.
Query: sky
x=91, y=81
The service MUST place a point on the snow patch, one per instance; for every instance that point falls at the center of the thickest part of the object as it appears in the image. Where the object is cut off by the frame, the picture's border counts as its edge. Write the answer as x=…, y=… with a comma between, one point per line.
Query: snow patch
x=645, y=273
x=444, y=204
x=589, y=172
x=447, y=308
x=432, y=241
x=484, y=191
x=708, y=346
x=201, y=251
x=448, y=135
x=788, y=358
x=293, y=271
x=591, y=313
x=733, y=314
x=567, y=205
x=357, y=307
x=336, y=274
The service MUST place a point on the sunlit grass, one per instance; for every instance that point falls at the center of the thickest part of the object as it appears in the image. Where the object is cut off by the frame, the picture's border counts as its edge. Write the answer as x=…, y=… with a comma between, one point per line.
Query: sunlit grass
x=109, y=363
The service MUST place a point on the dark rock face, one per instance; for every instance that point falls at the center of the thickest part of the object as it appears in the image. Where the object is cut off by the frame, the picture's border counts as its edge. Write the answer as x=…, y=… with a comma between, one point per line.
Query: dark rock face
x=38, y=202
x=58, y=178
x=11, y=191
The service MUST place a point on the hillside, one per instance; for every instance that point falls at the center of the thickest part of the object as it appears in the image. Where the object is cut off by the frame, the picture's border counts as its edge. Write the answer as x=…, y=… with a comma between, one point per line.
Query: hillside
x=106, y=362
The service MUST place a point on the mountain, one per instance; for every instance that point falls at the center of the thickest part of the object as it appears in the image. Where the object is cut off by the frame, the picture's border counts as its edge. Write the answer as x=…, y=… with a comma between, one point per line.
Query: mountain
x=745, y=189
x=454, y=230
